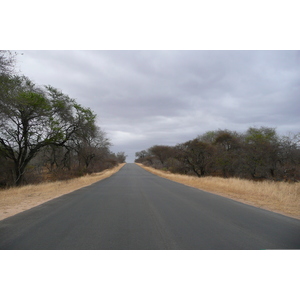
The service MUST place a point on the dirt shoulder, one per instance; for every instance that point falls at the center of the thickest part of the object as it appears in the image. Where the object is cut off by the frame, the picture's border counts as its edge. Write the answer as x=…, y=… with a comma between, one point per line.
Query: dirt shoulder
x=16, y=200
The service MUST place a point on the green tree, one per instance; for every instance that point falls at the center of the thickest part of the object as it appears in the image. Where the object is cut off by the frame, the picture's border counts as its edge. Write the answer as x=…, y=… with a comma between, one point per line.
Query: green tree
x=228, y=149
x=261, y=150
x=32, y=118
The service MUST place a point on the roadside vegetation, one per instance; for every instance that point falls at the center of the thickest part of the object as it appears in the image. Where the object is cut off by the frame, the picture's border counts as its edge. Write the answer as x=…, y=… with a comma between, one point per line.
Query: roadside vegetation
x=281, y=197
x=45, y=135
x=257, y=154
x=258, y=166
x=18, y=199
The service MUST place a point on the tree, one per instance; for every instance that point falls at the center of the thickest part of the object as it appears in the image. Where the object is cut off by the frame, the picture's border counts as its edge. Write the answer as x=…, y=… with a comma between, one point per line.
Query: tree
x=259, y=153
x=197, y=155
x=289, y=157
x=161, y=152
x=208, y=137
x=121, y=157
x=261, y=150
x=89, y=141
x=142, y=156
x=32, y=118
x=7, y=61
x=228, y=147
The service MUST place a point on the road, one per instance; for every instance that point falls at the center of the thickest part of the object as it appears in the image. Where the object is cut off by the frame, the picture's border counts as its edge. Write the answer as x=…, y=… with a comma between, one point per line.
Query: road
x=134, y=209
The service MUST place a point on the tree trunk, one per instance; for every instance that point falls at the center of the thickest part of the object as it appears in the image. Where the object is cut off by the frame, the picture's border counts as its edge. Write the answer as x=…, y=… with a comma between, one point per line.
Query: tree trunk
x=19, y=175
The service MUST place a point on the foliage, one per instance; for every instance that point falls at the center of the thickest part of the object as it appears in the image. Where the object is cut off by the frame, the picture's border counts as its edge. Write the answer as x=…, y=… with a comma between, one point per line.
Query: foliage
x=43, y=127
x=257, y=154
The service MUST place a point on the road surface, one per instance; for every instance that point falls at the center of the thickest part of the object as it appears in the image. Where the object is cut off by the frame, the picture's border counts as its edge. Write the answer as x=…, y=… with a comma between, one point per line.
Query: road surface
x=134, y=209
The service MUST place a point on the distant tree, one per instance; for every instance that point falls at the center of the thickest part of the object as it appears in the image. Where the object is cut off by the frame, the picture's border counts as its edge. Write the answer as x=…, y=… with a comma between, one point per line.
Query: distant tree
x=161, y=152
x=110, y=161
x=259, y=154
x=197, y=155
x=227, y=152
x=141, y=156
x=208, y=137
x=89, y=141
x=121, y=157
x=261, y=150
x=228, y=140
x=32, y=118
x=289, y=157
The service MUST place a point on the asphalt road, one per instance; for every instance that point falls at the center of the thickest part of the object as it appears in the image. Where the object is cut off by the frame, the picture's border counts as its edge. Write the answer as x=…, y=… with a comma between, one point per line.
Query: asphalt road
x=134, y=209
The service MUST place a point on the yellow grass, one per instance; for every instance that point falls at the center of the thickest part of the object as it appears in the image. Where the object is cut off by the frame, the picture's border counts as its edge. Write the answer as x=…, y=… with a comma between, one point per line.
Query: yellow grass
x=280, y=197
x=18, y=199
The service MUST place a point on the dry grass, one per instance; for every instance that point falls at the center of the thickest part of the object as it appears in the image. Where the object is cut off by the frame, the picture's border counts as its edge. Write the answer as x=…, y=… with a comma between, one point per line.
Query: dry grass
x=18, y=199
x=281, y=197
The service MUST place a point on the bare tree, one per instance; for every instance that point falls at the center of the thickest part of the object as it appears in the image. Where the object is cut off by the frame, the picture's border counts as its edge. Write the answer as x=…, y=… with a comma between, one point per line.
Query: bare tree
x=89, y=142
x=161, y=152
x=121, y=157
x=197, y=155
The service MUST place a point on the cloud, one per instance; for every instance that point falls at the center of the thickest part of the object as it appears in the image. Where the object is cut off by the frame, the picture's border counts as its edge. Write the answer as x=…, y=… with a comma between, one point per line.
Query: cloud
x=144, y=98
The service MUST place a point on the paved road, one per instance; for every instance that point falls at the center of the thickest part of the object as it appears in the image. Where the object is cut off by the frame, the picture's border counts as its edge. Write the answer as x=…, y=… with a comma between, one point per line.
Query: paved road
x=134, y=209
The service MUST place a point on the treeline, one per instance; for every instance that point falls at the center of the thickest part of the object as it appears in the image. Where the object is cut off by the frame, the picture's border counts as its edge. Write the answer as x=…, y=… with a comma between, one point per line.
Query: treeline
x=257, y=154
x=45, y=134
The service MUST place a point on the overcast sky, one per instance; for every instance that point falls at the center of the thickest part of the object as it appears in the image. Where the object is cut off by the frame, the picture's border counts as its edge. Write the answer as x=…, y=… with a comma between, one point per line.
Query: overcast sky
x=143, y=98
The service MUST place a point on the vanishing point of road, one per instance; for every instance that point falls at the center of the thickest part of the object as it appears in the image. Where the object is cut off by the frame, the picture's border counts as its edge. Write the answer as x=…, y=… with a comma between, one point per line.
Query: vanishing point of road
x=134, y=209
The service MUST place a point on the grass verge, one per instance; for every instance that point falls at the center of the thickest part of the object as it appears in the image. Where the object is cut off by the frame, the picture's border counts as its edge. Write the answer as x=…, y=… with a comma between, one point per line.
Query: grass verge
x=280, y=197
x=18, y=199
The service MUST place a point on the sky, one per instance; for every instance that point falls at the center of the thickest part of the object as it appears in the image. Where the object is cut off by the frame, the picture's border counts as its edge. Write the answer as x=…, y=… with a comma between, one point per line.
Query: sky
x=145, y=98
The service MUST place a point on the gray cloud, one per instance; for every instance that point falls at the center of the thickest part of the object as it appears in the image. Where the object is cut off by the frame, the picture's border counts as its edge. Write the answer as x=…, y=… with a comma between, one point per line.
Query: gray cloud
x=144, y=98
